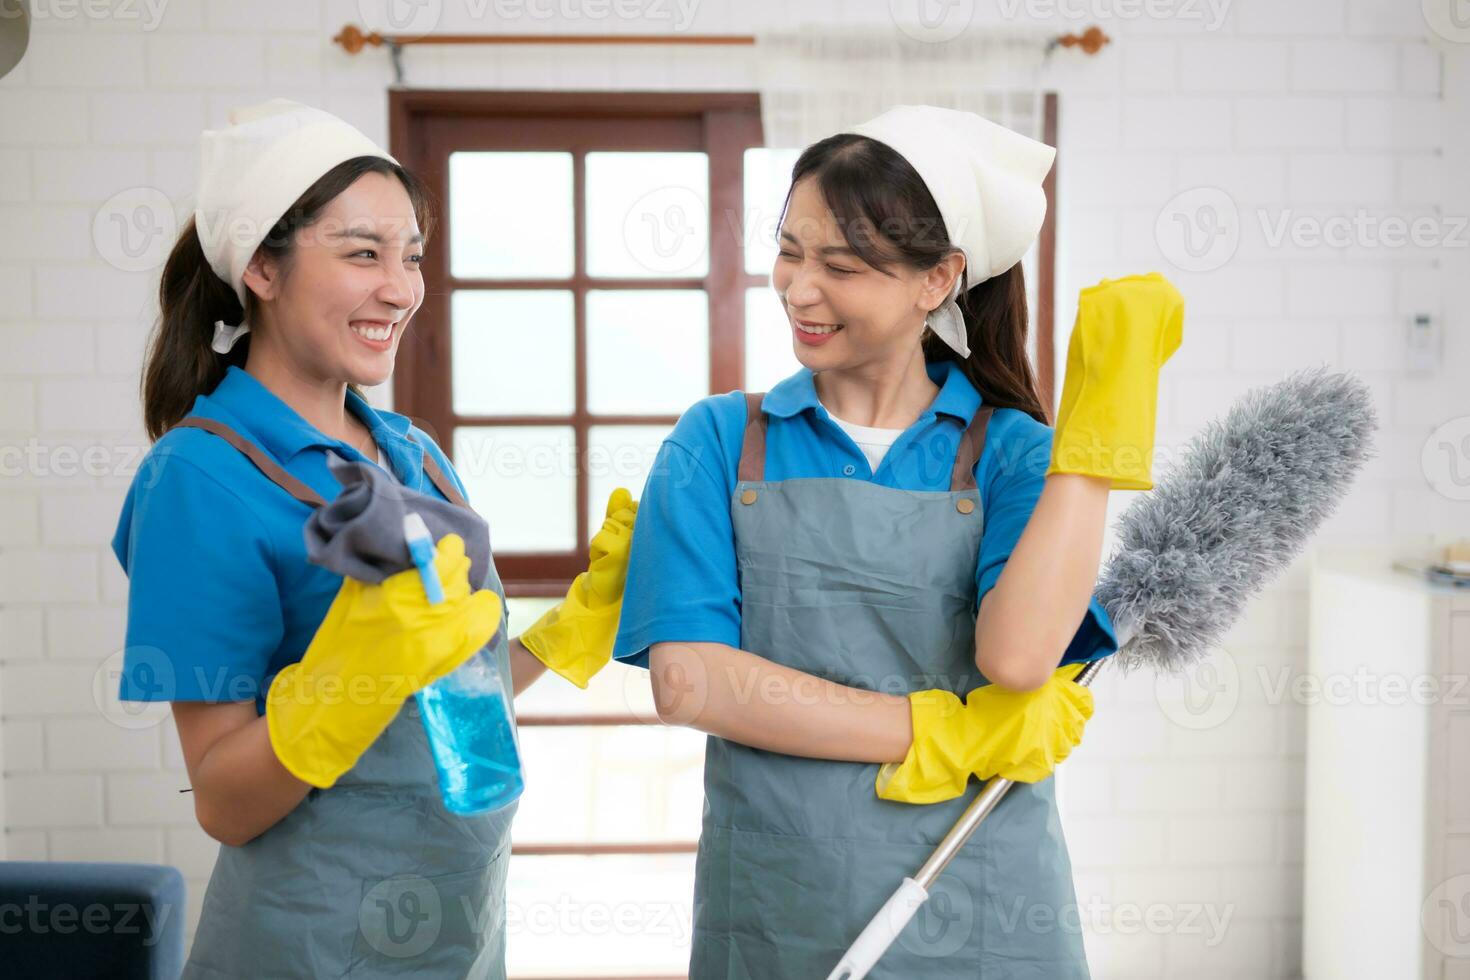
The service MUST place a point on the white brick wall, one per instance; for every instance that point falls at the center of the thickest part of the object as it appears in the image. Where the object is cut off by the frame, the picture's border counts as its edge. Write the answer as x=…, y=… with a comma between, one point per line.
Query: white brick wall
x=1304, y=111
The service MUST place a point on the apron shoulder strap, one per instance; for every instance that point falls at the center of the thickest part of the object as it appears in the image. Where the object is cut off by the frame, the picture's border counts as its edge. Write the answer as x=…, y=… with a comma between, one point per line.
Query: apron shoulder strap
x=272, y=470
x=296, y=488
x=972, y=444
x=446, y=486
x=753, y=451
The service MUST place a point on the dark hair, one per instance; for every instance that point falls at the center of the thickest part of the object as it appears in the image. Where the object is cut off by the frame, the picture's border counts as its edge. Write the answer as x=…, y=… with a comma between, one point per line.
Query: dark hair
x=887, y=215
x=180, y=364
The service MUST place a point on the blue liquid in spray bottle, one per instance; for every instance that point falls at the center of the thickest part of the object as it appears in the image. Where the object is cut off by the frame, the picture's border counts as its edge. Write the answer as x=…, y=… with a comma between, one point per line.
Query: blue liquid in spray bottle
x=466, y=713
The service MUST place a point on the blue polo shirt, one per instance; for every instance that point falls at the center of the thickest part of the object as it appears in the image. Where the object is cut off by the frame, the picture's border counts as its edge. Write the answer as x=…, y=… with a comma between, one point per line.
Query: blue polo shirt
x=220, y=594
x=682, y=580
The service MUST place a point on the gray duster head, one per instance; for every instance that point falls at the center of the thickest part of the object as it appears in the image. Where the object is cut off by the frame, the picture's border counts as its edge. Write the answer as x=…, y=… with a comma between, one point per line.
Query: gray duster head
x=1243, y=499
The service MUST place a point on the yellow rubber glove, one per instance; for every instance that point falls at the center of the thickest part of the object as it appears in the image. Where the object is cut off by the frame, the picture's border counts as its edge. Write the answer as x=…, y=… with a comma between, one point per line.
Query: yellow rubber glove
x=377, y=645
x=1018, y=735
x=1126, y=329
x=575, y=637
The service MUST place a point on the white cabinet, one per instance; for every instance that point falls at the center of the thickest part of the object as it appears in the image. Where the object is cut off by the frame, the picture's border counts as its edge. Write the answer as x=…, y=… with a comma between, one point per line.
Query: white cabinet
x=1387, y=860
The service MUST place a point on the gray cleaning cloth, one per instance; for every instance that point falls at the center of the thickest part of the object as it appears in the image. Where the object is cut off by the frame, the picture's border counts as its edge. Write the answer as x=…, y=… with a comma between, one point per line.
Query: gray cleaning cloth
x=360, y=534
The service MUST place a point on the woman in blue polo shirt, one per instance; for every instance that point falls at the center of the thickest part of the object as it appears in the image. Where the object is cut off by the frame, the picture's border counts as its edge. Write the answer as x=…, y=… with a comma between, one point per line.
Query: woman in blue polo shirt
x=822, y=572
x=293, y=285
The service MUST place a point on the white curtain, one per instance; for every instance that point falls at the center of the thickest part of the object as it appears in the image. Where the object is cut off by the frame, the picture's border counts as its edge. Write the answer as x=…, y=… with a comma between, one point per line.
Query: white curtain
x=818, y=81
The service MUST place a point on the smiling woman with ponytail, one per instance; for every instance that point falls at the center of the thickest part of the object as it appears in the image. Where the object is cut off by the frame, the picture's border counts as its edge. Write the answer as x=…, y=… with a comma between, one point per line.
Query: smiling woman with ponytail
x=823, y=571
x=291, y=685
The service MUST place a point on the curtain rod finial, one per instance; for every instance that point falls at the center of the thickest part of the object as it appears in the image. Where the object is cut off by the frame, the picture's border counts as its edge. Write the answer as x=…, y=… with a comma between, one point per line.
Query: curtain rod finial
x=354, y=40
x=1090, y=41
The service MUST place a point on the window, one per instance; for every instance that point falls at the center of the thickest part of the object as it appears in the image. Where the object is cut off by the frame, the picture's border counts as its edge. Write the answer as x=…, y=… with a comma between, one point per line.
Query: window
x=587, y=283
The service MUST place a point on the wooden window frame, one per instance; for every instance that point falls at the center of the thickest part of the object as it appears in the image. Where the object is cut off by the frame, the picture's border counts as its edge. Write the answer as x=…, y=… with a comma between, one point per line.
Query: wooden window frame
x=422, y=124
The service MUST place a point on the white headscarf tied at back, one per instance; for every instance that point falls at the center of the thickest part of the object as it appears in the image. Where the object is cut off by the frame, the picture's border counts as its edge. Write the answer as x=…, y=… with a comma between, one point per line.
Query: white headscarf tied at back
x=251, y=172
x=986, y=180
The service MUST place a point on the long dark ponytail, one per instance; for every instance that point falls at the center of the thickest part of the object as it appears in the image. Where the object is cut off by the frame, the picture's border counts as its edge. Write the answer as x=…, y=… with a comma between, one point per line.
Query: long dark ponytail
x=887, y=215
x=180, y=364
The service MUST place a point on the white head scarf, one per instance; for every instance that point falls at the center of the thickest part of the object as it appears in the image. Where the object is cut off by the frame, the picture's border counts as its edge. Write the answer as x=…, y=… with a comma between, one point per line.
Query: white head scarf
x=251, y=172
x=986, y=180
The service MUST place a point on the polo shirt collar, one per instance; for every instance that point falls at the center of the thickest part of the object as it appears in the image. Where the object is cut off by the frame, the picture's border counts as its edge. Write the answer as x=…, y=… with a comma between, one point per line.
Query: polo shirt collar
x=280, y=429
x=957, y=396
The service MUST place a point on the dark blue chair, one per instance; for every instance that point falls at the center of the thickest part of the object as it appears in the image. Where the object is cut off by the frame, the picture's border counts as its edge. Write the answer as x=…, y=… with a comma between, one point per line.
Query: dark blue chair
x=91, y=919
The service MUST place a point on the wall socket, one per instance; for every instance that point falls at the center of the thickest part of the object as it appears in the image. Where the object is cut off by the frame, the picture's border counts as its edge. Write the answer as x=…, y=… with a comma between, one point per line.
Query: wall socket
x=1423, y=343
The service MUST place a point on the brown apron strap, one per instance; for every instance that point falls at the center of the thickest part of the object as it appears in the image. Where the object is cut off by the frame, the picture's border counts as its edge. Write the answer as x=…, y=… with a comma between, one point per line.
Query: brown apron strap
x=272, y=470
x=753, y=452
x=972, y=444
x=446, y=486
x=296, y=488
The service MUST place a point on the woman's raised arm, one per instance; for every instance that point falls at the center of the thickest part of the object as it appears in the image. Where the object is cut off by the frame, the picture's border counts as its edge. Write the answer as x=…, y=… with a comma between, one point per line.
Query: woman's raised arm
x=1032, y=613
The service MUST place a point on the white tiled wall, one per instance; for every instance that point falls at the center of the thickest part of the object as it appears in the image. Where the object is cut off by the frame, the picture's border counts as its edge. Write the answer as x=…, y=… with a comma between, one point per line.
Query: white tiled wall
x=1186, y=833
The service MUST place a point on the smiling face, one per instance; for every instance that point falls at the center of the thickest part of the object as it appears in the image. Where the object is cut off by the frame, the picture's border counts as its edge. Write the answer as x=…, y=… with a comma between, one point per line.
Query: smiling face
x=843, y=312
x=336, y=310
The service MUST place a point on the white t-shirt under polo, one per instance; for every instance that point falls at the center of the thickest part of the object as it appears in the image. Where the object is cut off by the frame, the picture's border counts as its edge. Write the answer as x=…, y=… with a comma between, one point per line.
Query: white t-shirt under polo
x=874, y=442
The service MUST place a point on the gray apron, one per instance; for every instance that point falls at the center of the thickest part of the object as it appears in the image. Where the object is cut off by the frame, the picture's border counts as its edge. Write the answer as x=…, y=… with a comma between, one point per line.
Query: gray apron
x=372, y=877
x=874, y=588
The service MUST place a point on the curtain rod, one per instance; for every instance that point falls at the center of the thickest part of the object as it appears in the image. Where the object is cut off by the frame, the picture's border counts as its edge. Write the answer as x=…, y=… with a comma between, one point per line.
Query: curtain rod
x=353, y=39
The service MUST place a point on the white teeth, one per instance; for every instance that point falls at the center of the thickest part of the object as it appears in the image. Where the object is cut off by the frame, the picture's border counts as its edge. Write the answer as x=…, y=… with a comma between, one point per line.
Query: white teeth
x=828, y=328
x=372, y=333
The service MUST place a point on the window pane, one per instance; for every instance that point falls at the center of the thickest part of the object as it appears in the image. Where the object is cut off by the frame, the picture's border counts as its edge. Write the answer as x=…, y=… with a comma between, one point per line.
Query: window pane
x=606, y=784
x=647, y=215
x=619, y=456
x=496, y=334
x=647, y=350
x=767, y=179
x=769, y=355
x=510, y=215
x=522, y=479
x=614, y=915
